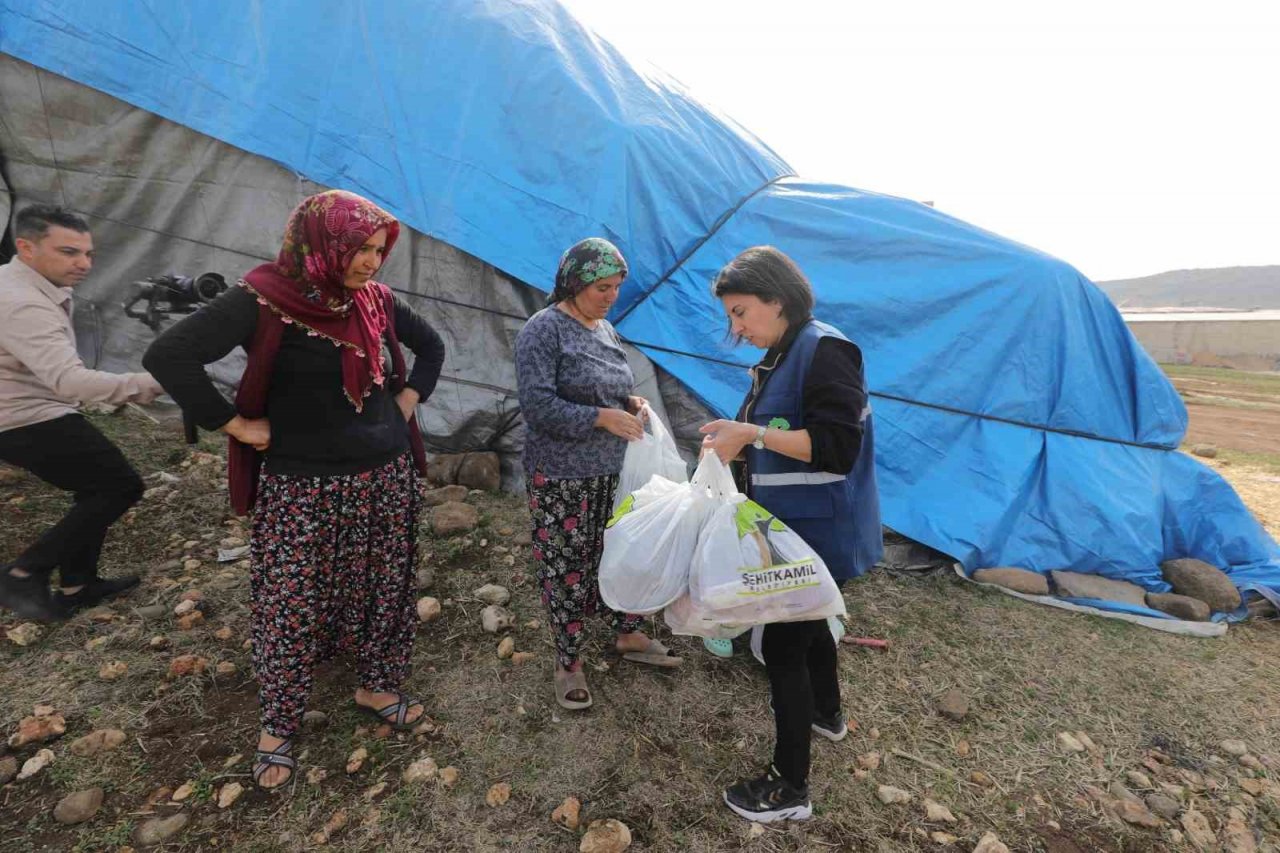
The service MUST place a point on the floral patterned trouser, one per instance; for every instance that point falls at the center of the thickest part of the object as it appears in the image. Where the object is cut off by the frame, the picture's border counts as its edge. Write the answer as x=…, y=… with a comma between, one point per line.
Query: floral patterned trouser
x=332, y=570
x=569, y=518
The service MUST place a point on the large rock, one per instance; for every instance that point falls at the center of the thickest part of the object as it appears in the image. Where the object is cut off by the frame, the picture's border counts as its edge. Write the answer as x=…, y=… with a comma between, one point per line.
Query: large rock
x=480, y=471
x=444, y=494
x=1076, y=585
x=160, y=830
x=1198, y=579
x=78, y=807
x=1018, y=580
x=443, y=469
x=1181, y=606
x=454, y=517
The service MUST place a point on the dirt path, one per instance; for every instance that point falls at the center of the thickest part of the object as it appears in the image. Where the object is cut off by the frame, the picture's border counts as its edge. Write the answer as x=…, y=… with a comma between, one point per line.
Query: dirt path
x=1247, y=430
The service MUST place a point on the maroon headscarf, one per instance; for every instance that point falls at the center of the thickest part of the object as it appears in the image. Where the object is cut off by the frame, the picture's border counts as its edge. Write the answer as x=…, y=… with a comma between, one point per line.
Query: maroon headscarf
x=304, y=288
x=304, y=285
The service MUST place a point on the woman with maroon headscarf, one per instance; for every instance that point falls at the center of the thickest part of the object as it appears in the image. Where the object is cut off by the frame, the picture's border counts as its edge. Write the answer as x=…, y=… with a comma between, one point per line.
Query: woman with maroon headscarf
x=324, y=447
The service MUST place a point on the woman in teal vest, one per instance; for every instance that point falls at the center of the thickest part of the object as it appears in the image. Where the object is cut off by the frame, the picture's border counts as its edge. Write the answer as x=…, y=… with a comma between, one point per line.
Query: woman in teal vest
x=804, y=448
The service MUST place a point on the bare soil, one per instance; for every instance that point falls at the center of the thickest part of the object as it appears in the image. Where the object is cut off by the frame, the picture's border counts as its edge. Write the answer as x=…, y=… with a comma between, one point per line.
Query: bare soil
x=658, y=746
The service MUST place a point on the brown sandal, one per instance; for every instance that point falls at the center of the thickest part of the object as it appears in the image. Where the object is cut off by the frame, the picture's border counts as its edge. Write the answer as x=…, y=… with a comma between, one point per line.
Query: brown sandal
x=655, y=654
x=568, y=682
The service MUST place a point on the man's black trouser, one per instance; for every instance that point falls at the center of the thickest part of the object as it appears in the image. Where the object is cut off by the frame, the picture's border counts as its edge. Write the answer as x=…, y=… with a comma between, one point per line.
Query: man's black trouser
x=800, y=658
x=70, y=453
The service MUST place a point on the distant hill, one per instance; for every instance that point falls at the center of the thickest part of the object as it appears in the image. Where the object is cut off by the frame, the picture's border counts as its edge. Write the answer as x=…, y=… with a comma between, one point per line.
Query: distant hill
x=1228, y=287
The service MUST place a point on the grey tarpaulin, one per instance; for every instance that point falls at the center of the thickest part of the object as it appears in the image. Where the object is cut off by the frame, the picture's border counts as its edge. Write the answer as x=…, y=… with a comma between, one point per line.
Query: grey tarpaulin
x=162, y=198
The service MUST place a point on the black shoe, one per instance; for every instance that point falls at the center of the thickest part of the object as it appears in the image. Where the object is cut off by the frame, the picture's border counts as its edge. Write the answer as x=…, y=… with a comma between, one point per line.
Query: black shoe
x=769, y=798
x=94, y=592
x=28, y=597
x=831, y=728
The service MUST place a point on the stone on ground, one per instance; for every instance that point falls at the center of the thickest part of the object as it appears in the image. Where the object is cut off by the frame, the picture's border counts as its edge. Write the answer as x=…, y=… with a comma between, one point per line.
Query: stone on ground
x=35, y=764
x=1165, y=806
x=1234, y=748
x=449, y=776
x=8, y=769
x=990, y=843
x=1069, y=742
x=953, y=705
x=1018, y=580
x=1179, y=606
x=445, y=494
x=38, y=729
x=1201, y=580
x=356, y=759
x=78, y=807
x=1077, y=585
x=498, y=795
x=228, y=794
x=102, y=740
x=890, y=795
x=605, y=836
x=419, y=771
x=454, y=517
x=24, y=634
x=491, y=593
x=160, y=830
x=567, y=813
x=428, y=609
x=506, y=648
x=494, y=619
x=480, y=471
x=935, y=812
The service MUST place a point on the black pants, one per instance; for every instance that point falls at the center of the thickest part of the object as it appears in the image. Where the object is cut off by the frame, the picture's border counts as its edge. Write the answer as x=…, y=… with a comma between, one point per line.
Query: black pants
x=70, y=453
x=800, y=658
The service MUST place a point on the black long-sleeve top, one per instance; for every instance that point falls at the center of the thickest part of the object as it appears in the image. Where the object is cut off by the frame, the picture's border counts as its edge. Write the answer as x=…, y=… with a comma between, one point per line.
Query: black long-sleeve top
x=834, y=396
x=315, y=431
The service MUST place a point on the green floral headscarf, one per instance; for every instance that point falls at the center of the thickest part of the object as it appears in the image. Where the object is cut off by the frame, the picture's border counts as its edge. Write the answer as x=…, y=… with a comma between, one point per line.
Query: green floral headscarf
x=587, y=261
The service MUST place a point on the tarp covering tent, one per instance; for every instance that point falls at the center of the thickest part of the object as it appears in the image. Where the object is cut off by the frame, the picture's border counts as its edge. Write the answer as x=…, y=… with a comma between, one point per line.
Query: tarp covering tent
x=1018, y=422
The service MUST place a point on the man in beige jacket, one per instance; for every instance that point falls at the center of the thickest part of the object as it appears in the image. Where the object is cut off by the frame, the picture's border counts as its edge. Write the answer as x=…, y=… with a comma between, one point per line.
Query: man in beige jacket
x=42, y=381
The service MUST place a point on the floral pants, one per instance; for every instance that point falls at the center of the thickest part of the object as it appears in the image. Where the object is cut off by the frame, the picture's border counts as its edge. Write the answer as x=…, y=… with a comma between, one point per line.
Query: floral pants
x=569, y=518
x=332, y=571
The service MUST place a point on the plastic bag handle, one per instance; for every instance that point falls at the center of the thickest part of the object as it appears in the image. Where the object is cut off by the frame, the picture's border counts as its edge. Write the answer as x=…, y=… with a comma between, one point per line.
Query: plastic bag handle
x=714, y=476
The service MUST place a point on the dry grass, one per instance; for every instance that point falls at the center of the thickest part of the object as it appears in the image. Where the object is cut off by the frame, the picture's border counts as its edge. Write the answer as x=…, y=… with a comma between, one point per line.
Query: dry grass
x=658, y=746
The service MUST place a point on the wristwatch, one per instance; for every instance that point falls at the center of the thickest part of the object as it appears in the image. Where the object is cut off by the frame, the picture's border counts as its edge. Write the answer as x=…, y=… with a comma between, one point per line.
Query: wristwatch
x=758, y=444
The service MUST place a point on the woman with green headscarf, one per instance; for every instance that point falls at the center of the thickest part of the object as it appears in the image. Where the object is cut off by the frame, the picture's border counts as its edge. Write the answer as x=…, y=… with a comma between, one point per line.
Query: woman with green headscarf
x=575, y=394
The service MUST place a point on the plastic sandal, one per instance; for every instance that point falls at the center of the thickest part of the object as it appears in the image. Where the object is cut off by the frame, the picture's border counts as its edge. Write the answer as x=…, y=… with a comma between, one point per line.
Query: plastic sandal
x=396, y=714
x=265, y=759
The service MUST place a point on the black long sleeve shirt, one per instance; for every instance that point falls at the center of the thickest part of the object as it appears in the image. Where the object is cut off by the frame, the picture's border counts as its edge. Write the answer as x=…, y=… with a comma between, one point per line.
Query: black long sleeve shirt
x=315, y=431
x=834, y=396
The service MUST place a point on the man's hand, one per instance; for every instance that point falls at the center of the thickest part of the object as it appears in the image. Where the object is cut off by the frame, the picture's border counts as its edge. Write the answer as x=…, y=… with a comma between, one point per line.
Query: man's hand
x=150, y=391
x=255, y=432
x=637, y=406
x=407, y=400
x=620, y=423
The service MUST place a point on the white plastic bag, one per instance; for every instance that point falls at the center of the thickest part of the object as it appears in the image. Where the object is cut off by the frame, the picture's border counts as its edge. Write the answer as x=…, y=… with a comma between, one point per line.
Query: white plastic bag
x=750, y=568
x=648, y=546
x=682, y=617
x=655, y=453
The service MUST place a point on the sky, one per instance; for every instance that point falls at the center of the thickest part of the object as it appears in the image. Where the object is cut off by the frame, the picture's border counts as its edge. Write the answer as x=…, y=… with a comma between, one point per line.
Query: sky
x=1126, y=138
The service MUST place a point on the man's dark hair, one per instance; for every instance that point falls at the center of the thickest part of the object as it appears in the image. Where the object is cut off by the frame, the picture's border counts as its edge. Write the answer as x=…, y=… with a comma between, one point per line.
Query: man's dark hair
x=32, y=222
x=771, y=276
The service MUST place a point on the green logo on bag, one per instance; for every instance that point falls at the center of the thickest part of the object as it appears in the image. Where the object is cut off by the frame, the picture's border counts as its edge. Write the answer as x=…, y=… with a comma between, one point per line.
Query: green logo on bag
x=780, y=423
x=623, y=509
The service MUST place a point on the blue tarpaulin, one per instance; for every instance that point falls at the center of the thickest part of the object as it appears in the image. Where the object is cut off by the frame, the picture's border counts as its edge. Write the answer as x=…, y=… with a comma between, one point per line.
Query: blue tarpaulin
x=1019, y=423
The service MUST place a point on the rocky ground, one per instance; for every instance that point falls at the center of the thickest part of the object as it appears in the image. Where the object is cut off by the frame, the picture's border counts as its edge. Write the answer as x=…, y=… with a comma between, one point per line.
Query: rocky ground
x=986, y=722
